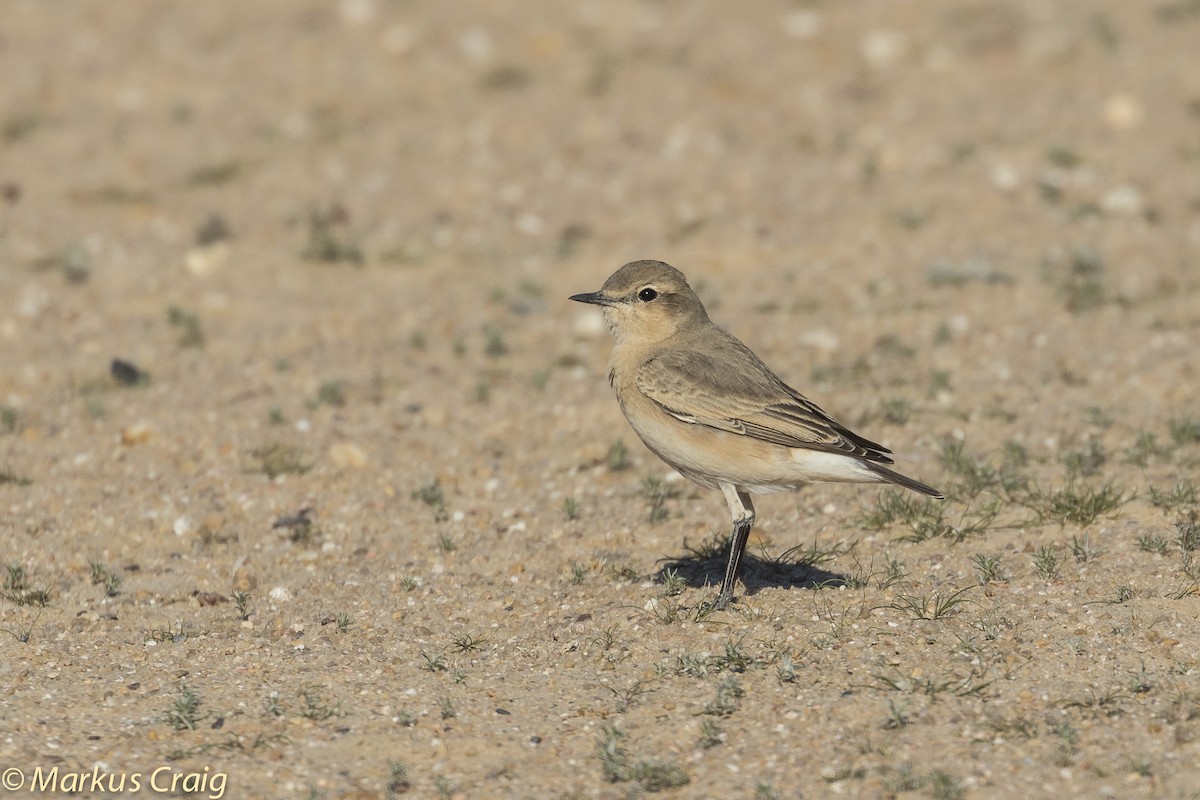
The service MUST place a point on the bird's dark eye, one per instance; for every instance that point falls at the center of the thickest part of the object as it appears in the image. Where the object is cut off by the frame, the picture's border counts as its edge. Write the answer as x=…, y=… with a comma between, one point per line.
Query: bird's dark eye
x=647, y=294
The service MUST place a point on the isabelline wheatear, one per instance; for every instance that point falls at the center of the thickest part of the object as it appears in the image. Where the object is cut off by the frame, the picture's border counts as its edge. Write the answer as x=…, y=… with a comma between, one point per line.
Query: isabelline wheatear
x=709, y=407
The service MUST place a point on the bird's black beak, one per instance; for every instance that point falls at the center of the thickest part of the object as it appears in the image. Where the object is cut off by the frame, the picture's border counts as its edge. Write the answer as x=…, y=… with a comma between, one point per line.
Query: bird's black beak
x=595, y=298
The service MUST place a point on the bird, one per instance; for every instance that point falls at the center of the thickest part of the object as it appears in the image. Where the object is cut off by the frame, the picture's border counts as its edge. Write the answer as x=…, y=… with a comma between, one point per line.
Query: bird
x=704, y=403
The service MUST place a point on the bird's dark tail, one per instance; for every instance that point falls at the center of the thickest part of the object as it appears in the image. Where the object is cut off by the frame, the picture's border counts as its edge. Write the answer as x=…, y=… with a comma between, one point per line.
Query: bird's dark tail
x=891, y=476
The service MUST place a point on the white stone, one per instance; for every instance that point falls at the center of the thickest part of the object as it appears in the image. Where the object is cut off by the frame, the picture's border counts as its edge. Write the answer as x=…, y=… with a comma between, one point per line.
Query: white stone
x=1005, y=177
x=1122, y=112
x=882, y=48
x=358, y=12
x=476, y=45
x=820, y=339
x=1122, y=200
x=804, y=23
x=588, y=324
x=530, y=224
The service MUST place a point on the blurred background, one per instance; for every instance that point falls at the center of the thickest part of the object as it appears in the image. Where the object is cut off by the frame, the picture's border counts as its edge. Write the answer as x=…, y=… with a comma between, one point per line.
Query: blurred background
x=522, y=137
x=300, y=174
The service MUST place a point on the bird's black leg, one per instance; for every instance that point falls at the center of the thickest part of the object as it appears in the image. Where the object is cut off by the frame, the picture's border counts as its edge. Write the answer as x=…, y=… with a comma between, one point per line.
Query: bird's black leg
x=742, y=511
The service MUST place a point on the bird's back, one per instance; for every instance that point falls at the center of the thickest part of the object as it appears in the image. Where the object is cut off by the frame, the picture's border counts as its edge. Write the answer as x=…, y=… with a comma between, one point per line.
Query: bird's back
x=709, y=376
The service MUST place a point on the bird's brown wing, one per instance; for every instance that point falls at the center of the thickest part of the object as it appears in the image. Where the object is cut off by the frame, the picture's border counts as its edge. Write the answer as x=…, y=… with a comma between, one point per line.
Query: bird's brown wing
x=699, y=387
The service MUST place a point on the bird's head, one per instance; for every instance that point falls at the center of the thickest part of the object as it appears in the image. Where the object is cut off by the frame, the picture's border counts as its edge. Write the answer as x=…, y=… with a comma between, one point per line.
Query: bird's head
x=646, y=302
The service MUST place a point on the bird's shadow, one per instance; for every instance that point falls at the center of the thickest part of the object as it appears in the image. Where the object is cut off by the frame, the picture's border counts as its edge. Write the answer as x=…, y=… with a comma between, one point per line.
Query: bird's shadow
x=795, y=568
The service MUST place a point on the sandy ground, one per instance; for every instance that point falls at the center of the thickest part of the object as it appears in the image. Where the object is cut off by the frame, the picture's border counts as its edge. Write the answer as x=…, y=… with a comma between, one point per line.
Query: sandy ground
x=359, y=516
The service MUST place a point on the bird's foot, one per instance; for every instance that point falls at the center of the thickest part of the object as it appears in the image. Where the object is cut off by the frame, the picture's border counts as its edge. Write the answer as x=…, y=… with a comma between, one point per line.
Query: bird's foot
x=724, y=598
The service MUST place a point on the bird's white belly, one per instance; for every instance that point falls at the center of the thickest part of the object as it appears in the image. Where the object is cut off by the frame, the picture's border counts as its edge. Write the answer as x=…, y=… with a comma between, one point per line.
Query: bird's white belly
x=818, y=466
x=710, y=457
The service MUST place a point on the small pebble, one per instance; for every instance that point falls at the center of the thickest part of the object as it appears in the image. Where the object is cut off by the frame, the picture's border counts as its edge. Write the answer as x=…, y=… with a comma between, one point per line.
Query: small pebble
x=209, y=598
x=244, y=580
x=76, y=265
x=211, y=523
x=1122, y=112
x=1005, y=178
x=347, y=454
x=530, y=224
x=32, y=301
x=1124, y=200
x=802, y=24
x=882, y=49
x=357, y=12
x=819, y=339
x=213, y=230
x=203, y=261
x=476, y=45
x=137, y=433
x=588, y=325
